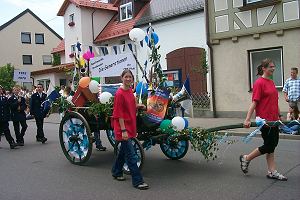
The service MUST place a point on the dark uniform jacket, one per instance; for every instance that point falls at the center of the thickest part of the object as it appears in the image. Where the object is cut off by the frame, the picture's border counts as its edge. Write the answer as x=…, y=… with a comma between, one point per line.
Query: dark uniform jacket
x=36, y=107
x=4, y=109
x=16, y=114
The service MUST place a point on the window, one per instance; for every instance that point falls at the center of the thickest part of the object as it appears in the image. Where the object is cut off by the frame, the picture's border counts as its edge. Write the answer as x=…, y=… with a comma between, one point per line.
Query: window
x=73, y=48
x=27, y=59
x=62, y=82
x=251, y=1
x=47, y=59
x=258, y=3
x=275, y=54
x=26, y=38
x=39, y=38
x=126, y=11
x=45, y=83
x=71, y=18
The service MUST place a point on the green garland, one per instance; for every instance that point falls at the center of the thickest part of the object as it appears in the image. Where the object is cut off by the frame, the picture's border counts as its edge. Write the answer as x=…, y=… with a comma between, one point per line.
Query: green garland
x=99, y=109
x=62, y=104
x=202, y=140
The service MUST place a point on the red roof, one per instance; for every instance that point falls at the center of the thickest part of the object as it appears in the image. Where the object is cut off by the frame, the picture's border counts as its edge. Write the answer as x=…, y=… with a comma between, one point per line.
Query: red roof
x=56, y=69
x=60, y=47
x=116, y=28
x=86, y=3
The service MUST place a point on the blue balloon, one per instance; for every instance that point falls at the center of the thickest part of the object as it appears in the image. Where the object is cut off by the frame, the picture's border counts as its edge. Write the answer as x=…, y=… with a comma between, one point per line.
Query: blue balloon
x=186, y=123
x=155, y=38
x=139, y=88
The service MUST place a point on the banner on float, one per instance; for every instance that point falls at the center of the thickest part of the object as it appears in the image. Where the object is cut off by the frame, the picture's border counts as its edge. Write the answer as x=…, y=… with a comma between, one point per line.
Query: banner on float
x=21, y=76
x=157, y=106
x=112, y=65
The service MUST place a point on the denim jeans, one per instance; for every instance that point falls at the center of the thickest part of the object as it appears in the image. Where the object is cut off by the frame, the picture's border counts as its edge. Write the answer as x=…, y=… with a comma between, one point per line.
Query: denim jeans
x=127, y=154
x=98, y=142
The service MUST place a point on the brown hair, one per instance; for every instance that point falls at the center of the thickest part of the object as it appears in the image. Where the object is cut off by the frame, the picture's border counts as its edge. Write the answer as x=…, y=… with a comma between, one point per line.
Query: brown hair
x=295, y=68
x=264, y=64
x=127, y=71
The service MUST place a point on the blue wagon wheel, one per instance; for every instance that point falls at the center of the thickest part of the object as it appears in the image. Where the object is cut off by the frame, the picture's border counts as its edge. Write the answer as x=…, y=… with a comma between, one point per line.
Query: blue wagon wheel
x=175, y=150
x=75, y=138
x=140, y=155
x=111, y=137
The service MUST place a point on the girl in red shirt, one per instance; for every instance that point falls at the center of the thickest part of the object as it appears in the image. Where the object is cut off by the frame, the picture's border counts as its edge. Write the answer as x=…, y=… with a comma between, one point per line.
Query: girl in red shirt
x=265, y=104
x=124, y=123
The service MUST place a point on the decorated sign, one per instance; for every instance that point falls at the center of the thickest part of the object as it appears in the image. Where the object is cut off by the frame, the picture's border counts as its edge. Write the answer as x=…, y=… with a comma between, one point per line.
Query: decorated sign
x=112, y=65
x=21, y=76
x=157, y=106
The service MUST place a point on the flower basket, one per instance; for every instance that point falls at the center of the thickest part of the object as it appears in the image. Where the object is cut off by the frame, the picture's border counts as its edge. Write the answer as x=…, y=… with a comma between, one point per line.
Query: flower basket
x=71, y=55
x=71, y=24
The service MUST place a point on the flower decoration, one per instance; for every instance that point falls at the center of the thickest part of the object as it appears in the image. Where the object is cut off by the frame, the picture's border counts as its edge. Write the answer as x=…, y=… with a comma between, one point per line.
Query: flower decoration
x=71, y=23
x=71, y=55
x=88, y=55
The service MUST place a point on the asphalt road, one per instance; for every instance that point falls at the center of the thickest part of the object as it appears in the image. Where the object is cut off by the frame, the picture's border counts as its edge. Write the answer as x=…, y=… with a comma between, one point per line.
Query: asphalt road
x=38, y=171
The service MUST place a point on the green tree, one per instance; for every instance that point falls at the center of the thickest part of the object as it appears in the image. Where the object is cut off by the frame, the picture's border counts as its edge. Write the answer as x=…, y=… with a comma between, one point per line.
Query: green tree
x=6, y=76
x=56, y=59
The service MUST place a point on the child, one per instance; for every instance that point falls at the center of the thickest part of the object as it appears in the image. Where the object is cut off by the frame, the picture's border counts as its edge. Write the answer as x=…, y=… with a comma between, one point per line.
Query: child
x=124, y=123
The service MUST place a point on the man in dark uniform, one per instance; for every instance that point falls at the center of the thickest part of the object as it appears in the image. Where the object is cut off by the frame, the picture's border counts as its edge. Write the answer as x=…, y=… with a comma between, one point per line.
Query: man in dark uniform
x=18, y=116
x=4, y=118
x=36, y=110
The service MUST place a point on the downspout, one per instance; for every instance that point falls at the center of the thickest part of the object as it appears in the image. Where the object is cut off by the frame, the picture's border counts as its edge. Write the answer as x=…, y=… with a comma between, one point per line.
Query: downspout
x=93, y=34
x=211, y=56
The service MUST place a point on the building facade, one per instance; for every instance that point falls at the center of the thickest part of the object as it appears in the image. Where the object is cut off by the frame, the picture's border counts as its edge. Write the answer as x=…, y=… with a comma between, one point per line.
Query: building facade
x=241, y=34
x=27, y=43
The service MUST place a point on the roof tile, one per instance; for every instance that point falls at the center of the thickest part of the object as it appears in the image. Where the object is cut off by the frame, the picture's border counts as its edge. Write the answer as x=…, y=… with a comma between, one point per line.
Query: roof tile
x=86, y=3
x=60, y=47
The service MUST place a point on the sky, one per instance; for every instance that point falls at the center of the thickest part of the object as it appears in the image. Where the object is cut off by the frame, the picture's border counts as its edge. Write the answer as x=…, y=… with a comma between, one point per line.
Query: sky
x=44, y=9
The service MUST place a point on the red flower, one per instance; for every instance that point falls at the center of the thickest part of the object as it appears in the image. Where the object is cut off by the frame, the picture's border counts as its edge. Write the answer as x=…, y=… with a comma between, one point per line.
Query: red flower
x=71, y=23
x=71, y=55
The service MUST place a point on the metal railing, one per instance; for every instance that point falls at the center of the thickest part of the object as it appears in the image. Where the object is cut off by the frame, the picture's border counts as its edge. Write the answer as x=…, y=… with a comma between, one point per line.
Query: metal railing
x=201, y=100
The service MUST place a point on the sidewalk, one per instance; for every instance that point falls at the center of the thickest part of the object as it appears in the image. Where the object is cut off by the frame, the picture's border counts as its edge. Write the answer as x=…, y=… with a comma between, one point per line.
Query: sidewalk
x=203, y=123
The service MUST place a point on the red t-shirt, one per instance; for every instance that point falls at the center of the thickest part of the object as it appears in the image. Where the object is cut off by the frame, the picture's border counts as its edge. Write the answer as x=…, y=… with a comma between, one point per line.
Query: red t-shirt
x=124, y=107
x=266, y=96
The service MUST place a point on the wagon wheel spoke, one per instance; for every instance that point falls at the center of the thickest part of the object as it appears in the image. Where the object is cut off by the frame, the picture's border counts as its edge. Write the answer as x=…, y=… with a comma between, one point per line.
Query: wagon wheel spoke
x=71, y=147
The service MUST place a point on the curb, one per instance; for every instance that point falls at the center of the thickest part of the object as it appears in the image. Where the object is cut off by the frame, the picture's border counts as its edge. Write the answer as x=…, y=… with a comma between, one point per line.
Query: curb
x=231, y=133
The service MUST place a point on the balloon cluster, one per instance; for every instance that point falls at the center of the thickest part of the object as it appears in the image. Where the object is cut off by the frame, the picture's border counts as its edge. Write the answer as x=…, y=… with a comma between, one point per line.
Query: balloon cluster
x=176, y=124
x=93, y=85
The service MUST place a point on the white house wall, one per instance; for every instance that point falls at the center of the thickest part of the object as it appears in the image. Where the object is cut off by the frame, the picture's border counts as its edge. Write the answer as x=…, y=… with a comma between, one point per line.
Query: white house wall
x=82, y=30
x=72, y=34
x=53, y=77
x=179, y=32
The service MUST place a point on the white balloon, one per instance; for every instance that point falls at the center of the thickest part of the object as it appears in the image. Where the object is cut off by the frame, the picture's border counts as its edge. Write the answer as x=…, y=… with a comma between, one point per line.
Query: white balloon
x=69, y=99
x=94, y=86
x=178, y=123
x=104, y=97
x=137, y=34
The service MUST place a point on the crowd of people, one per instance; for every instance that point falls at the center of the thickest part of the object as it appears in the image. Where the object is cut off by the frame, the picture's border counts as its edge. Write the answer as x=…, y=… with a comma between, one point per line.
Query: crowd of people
x=17, y=106
x=20, y=104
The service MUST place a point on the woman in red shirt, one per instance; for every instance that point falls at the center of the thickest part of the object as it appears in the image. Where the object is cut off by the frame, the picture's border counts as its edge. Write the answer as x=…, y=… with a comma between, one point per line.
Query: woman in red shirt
x=124, y=123
x=265, y=104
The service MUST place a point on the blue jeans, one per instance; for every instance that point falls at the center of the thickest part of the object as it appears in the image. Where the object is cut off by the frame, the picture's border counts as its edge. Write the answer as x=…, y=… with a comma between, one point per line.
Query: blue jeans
x=127, y=154
x=97, y=139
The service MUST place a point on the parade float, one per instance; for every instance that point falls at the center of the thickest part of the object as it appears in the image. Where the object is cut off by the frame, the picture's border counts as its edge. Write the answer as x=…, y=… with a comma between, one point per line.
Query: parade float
x=90, y=109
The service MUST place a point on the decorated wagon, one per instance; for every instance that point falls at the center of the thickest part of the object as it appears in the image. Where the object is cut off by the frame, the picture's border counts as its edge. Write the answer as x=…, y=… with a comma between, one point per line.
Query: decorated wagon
x=90, y=109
